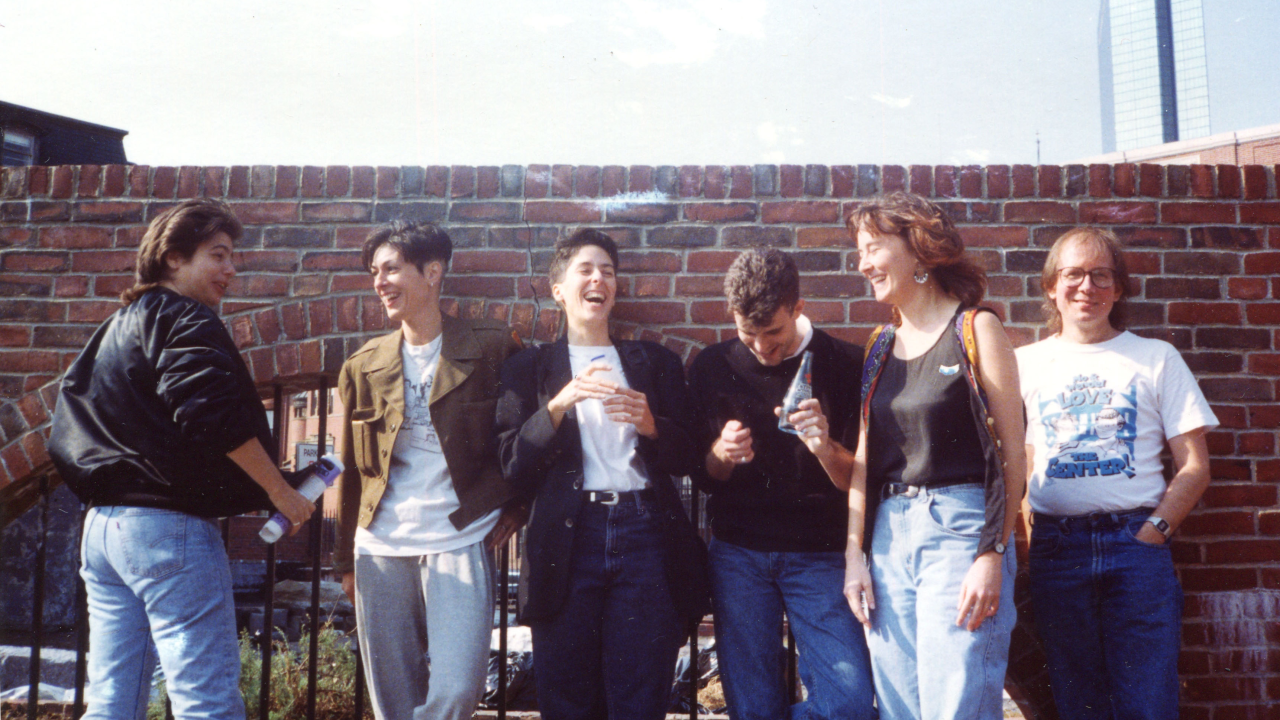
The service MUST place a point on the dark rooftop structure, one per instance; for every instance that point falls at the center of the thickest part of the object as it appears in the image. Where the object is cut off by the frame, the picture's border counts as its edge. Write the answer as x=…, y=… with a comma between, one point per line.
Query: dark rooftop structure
x=34, y=137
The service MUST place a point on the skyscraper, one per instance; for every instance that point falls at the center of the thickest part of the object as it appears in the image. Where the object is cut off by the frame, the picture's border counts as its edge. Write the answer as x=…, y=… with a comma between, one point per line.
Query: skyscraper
x=1154, y=76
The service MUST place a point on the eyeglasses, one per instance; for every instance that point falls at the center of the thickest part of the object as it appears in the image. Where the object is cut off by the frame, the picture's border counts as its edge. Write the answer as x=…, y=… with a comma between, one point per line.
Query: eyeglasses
x=1101, y=277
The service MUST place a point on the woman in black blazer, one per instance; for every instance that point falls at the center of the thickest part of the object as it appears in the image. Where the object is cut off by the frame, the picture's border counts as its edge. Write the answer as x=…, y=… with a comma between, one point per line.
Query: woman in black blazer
x=594, y=429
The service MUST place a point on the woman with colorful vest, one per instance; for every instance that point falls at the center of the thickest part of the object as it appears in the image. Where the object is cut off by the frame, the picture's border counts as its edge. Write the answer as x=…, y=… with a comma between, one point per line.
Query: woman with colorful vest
x=939, y=472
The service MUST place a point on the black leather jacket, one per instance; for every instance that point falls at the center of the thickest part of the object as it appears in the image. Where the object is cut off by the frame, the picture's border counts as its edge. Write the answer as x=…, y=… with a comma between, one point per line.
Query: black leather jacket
x=148, y=412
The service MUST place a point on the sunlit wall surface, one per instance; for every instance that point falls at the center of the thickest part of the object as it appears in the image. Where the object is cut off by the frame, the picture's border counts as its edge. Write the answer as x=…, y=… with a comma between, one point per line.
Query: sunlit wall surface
x=1154, y=76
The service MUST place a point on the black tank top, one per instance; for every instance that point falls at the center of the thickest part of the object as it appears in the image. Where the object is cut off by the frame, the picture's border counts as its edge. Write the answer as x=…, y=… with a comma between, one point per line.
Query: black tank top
x=921, y=430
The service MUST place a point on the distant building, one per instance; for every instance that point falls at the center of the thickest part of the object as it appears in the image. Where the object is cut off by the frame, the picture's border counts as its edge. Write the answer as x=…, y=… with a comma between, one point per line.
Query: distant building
x=35, y=137
x=1256, y=146
x=1154, y=75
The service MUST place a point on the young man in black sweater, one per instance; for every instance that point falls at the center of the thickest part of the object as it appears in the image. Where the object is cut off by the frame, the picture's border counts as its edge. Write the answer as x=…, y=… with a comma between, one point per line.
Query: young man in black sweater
x=779, y=501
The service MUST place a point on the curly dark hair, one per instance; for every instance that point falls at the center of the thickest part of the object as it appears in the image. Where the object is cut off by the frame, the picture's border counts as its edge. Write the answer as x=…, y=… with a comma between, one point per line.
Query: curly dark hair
x=418, y=242
x=1105, y=242
x=760, y=282
x=931, y=236
x=179, y=230
x=567, y=247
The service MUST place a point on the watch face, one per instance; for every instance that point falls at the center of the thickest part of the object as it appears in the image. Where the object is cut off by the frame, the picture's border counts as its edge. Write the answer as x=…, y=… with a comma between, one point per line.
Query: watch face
x=1160, y=524
x=999, y=548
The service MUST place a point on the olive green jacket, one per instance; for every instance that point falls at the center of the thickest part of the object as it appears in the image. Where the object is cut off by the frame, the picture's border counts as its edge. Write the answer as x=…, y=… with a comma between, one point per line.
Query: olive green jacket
x=462, y=403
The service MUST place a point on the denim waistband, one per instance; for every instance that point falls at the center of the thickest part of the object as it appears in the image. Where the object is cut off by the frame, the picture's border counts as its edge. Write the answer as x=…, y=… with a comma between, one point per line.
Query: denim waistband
x=1093, y=521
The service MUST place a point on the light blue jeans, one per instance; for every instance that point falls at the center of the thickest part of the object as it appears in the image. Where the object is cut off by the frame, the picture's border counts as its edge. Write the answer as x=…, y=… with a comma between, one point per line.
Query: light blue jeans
x=162, y=576
x=926, y=667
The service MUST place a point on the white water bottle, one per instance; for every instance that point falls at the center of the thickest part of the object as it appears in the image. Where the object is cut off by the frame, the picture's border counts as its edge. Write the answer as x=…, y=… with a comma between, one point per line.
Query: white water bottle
x=321, y=474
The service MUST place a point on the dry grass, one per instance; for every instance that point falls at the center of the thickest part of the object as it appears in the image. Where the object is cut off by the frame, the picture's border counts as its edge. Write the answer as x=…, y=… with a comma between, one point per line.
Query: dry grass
x=335, y=689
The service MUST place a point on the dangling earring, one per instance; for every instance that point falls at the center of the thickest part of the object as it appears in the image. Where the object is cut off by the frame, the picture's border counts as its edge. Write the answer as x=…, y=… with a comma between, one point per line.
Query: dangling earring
x=920, y=277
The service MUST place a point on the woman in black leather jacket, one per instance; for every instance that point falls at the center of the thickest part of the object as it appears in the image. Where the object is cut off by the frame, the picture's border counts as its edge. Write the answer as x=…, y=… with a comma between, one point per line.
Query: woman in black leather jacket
x=159, y=430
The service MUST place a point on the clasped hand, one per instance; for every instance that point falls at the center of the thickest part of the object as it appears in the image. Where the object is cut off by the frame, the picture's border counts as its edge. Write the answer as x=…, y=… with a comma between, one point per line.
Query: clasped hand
x=621, y=404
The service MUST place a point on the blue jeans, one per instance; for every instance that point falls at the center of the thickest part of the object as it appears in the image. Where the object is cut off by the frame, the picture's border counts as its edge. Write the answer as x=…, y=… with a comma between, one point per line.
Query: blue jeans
x=925, y=666
x=611, y=651
x=1108, y=608
x=162, y=576
x=750, y=591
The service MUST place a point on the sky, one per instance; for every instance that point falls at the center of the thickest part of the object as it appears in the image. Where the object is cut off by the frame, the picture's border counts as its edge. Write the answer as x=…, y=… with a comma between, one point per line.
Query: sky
x=600, y=82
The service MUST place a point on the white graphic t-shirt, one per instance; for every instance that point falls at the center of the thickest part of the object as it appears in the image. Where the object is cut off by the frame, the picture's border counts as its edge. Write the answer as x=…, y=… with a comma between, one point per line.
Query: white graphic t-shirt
x=1097, y=418
x=413, y=516
x=610, y=457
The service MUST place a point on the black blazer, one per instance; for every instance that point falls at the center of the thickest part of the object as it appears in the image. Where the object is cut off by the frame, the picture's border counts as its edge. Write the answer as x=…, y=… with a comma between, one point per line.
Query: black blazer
x=545, y=463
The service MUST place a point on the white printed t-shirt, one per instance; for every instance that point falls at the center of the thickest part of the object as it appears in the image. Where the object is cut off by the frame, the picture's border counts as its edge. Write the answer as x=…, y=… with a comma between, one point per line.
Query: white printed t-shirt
x=413, y=516
x=1098, y=416
x=610, y=455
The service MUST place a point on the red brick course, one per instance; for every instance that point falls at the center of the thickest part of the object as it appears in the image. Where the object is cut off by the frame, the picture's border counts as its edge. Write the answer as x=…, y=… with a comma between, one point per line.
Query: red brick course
x=1205, y=253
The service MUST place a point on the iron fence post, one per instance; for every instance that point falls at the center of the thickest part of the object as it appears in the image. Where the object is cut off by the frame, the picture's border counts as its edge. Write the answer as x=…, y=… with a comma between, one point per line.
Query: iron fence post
x=37, y=611
x=317, y=521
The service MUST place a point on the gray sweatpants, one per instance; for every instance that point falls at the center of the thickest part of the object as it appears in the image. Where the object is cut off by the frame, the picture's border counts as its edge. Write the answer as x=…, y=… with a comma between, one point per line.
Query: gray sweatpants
x=409, y=606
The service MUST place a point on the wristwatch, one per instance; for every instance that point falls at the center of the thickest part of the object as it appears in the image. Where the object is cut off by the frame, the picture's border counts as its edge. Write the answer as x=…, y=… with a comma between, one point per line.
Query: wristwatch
x=1162, y=525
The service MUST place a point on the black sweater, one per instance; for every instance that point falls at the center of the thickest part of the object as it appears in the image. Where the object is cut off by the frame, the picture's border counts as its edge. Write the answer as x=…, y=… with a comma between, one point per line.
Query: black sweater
x=783, y=500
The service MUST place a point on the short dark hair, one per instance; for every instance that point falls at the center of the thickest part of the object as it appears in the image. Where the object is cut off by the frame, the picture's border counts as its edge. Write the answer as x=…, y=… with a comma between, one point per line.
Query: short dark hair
x=567, y=247
x=181, y=230
x=761, y=282
x=1108, y=244
x=418, y=242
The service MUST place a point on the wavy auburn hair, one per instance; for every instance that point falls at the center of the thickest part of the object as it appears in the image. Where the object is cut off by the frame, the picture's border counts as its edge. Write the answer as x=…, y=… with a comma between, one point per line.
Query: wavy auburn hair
x=932, y=238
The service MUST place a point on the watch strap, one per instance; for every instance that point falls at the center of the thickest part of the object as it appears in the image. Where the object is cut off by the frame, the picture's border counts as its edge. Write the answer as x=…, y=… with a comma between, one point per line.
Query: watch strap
x=1162, y=525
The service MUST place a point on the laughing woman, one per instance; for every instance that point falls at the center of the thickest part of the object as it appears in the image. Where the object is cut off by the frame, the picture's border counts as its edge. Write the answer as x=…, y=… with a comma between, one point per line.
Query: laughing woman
x=594, y=429
x=941, y=411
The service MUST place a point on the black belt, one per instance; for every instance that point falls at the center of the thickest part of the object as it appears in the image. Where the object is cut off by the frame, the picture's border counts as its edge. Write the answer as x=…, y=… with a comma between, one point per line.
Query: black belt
x=888, y=490
x=613, y=497
x=1097, y=520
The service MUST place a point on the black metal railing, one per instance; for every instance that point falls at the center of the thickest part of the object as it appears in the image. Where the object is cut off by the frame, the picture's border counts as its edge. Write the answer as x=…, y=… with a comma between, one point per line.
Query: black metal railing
x=507, y=563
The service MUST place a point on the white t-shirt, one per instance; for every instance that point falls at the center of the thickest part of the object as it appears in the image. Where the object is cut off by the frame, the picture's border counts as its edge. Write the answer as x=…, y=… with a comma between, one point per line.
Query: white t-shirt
x=1098, y=416
x=413, y=516
x=610, y=458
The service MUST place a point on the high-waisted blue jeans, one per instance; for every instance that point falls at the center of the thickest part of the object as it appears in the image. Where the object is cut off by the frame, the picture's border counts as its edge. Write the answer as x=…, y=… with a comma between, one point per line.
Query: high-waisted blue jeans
x=925, y=666
x=611, y=651
x=159, y=575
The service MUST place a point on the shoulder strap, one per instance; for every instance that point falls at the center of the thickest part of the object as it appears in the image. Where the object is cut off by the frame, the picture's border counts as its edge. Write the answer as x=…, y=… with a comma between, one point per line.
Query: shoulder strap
x=878, y=345
x=969, y=349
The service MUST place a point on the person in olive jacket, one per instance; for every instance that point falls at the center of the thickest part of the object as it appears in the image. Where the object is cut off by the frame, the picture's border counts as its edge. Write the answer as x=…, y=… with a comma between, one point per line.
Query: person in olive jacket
x=422, y=499
x=594, y=428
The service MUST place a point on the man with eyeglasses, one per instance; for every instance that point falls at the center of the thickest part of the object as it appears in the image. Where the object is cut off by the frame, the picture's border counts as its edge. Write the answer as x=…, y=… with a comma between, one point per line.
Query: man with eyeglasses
x=1101, y=404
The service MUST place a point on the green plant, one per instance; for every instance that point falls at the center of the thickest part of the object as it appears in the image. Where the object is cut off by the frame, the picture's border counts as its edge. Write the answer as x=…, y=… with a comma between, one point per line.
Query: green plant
x=335, y=671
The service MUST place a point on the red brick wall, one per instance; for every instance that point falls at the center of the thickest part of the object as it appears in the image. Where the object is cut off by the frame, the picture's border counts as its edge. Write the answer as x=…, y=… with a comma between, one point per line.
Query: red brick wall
x=1204, y=241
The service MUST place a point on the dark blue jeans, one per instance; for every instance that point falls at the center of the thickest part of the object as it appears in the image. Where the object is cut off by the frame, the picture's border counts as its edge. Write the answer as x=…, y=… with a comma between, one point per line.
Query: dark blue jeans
x=751, y=590
x=1109, y=611
x=611, y=652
